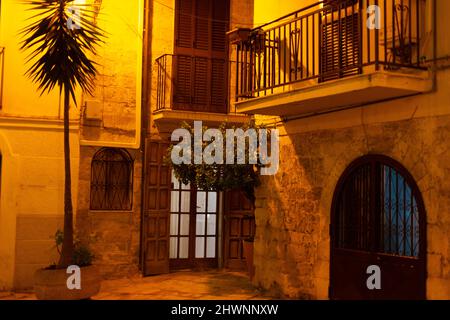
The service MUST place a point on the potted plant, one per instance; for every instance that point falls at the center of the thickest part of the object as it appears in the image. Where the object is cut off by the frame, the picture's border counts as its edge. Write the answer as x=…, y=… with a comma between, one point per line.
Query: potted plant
x=248, y=254
x=51, y=283
x=61, y=36
x=219, y=177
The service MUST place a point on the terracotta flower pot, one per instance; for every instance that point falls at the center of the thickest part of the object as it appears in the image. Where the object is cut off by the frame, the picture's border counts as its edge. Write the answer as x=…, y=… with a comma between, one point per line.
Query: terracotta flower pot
x=51, y=284
x=248, y=253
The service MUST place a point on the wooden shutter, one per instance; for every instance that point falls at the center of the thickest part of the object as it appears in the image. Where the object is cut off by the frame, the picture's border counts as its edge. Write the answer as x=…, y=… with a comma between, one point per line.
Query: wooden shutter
x=330, y=51
x=201, y=83
x=184, y=23
x=340, y=54
x=350, y=45
x=201, y=91
x=202, y=24
x=219, y=81
x=183, y=82
x=220, y=26
x=155, y=233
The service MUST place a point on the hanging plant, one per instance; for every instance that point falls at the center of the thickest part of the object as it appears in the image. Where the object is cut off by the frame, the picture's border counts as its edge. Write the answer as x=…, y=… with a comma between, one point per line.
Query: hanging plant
x=240, y=153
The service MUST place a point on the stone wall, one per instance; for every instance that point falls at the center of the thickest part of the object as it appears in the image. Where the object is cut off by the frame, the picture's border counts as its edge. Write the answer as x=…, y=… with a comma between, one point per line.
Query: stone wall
x=109, y=115
x=292, y=245
x=115, y=234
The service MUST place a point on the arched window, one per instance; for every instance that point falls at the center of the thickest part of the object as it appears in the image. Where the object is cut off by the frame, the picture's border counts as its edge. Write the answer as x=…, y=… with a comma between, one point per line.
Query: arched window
x=112, y=180
x=377, y=209
x=378, y=220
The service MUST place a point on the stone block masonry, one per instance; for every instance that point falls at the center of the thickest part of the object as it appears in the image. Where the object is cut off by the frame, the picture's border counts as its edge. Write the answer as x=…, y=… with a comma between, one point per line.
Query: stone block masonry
x=292, y=247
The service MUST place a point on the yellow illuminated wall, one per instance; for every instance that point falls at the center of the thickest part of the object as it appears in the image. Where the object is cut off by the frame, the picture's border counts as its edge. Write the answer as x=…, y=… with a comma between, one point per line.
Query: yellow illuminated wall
x=111, y=117
x=269, y=10
x=31, y=136
x=20, y=95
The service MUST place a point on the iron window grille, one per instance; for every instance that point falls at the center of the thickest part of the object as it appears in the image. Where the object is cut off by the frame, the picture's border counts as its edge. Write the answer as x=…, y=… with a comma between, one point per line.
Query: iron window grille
x=378, y=211
x=112, y=180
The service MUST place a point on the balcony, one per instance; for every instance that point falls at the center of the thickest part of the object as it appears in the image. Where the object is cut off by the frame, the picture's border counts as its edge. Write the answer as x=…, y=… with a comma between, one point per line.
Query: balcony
x=193, y=88
x=331, y=55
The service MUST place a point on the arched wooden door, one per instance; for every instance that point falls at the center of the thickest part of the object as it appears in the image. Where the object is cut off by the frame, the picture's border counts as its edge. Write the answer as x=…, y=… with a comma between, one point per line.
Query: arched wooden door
x=378, y=219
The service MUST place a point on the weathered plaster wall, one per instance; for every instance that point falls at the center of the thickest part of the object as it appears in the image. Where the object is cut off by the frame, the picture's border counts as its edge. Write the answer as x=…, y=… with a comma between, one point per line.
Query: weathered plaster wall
x=20, y=95
x=32, y=184
x=162, y=42
x=32, y=168
x=109, y=116
x=269, y=10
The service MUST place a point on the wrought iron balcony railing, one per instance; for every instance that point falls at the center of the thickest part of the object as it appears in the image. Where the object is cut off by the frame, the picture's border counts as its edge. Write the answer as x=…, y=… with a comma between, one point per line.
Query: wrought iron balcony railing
x=192, y=83
x=327, y=41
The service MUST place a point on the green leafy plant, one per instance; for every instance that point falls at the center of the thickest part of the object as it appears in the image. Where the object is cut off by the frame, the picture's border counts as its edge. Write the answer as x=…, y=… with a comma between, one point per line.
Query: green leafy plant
x=60, y=42
x=82, y=254
x=219, y=177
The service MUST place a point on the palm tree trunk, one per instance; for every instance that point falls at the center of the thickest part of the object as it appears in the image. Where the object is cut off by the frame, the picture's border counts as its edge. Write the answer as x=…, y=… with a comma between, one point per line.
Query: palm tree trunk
x=67, y=246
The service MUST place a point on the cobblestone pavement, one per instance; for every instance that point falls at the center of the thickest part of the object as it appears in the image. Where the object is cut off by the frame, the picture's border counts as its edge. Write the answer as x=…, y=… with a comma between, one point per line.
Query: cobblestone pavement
x=183, y=285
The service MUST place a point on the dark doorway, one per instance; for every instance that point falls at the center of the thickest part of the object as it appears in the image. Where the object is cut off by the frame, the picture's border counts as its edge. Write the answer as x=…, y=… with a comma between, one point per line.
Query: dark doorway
x=378, y=218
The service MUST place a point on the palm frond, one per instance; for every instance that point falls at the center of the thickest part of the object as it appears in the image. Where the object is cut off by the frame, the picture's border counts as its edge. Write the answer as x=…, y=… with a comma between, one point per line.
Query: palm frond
x=59, y=53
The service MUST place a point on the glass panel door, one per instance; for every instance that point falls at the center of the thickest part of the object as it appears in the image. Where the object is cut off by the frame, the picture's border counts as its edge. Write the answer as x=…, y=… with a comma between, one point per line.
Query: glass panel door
x=179, y=220
x=206, y=225
x=193, y=226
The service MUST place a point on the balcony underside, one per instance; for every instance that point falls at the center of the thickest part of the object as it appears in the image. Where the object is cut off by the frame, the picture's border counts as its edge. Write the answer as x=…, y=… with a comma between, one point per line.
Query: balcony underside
x=168, y=118
x=332, y=95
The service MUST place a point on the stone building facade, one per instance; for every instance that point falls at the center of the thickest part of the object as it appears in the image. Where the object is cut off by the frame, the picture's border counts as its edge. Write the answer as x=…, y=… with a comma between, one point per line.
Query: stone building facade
x=111, y=122
x=123, y=126
x=293, y=214
x=294, y=208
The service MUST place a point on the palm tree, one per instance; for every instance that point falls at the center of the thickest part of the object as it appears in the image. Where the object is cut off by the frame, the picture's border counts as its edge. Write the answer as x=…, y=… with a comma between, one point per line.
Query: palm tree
x=60, y=37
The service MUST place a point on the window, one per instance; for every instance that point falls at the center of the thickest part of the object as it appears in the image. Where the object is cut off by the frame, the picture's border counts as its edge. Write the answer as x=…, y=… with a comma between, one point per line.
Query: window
x=340, y=40
x=378, y=210
x=201, y=63
x=112, y=180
